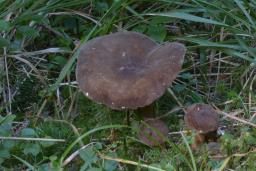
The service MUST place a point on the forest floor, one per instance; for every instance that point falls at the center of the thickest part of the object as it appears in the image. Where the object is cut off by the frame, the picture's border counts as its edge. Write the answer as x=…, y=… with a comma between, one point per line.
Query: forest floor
x=47, y=123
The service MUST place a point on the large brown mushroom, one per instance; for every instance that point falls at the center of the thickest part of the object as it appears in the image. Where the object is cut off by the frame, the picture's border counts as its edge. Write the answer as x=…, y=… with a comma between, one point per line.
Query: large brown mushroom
x=127, y=70
x=204, y=120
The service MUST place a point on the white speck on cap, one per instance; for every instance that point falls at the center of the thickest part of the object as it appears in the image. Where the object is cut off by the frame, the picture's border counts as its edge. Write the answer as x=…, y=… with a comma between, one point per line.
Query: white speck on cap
x=121, y=68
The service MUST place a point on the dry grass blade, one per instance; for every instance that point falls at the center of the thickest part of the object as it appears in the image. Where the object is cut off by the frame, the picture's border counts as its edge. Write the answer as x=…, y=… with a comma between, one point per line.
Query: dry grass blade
x=41, y=52
x=74, y=154
x=224, y=164
x=176, y=109
x=177, y=100
x=234, y=155
x=41, y=78
x=250, y=95
x=244, y=154
x=9, y=111
x=234, y=117
x=40, y=111
x=129, y=162
x=32, y=139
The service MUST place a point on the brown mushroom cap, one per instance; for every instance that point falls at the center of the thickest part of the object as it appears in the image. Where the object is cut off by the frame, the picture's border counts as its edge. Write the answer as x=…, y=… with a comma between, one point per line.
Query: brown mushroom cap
x=127, y=69
x=202, y=117
x=153, y=132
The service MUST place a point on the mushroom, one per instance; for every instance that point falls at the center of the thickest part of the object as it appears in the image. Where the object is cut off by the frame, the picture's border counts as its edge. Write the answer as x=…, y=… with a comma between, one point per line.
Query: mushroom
x=204, y=120
x=127, y=70
x=153, y=132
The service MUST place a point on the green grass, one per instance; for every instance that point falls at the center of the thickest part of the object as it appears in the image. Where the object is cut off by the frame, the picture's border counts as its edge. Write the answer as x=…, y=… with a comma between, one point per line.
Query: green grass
x=39, y=45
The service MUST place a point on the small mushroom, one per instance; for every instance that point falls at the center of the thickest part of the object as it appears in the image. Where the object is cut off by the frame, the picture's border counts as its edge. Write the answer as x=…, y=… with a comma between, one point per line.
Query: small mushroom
x=153, y=132
x=127, y=69
x=204, y=120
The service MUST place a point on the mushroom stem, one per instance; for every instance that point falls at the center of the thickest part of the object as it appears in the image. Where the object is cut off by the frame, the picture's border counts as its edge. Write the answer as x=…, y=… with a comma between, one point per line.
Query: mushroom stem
x=128, y=113
x=148, y=111
x=201, y=138
x=211, y=136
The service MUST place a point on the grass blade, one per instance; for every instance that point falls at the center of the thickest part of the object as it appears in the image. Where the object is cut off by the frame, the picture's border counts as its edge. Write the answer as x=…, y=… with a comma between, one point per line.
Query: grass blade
x=24, y=162
x=224, y=164
x=69, y=148
x=190, y=152
x=240, y=5
x=129, y=162
x=72, y=60
x=189, y=17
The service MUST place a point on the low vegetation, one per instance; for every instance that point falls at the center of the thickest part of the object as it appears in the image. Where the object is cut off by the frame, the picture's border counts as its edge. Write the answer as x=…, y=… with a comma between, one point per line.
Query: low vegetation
x=46, y=123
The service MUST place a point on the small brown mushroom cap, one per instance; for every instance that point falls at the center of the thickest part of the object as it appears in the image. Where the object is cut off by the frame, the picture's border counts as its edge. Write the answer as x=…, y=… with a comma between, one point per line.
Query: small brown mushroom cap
x=153, y=132
x=202, y=118
x=127, y=69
